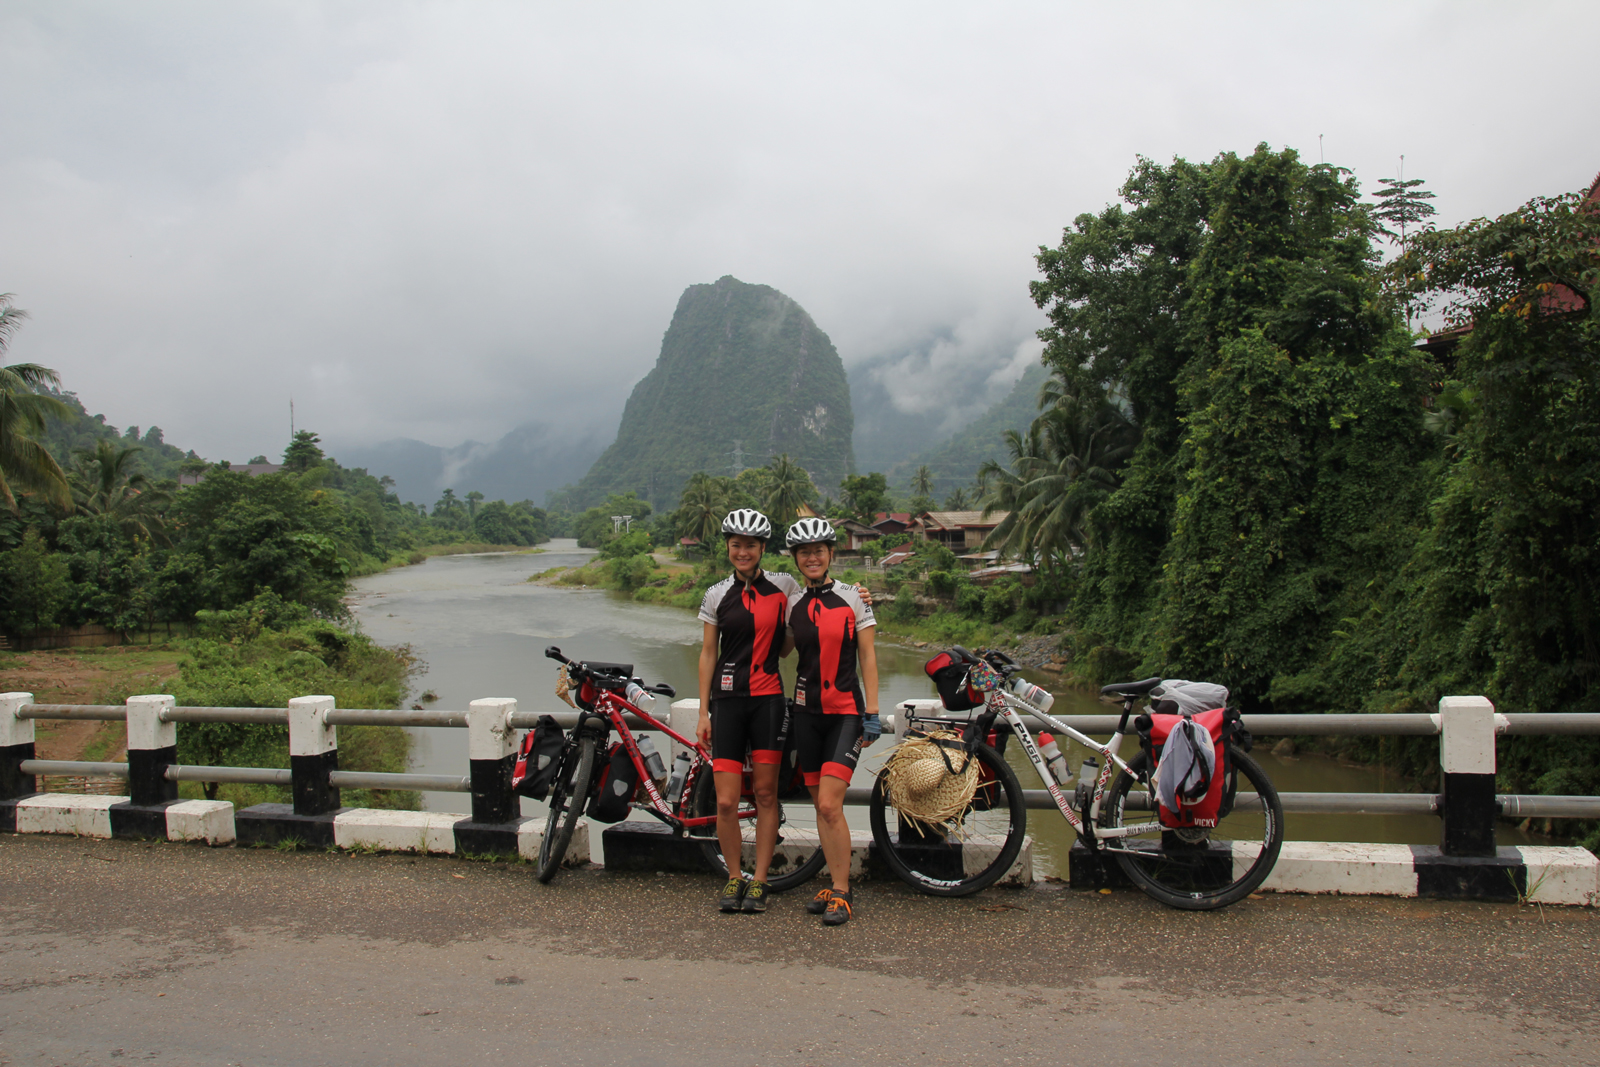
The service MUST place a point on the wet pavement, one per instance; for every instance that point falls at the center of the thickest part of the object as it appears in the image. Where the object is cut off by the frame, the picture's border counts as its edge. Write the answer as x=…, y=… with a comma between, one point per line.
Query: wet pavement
x=179, y=954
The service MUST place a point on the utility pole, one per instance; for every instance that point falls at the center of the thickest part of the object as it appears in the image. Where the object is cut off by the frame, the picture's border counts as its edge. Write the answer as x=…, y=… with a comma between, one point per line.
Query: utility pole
x=738, y=458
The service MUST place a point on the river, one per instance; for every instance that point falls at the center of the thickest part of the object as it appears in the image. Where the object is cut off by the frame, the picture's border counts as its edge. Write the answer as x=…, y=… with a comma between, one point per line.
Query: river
x=481, y=627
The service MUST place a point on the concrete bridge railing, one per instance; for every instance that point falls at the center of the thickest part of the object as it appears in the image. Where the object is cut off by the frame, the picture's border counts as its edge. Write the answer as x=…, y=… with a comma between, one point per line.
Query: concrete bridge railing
x=1467, y=804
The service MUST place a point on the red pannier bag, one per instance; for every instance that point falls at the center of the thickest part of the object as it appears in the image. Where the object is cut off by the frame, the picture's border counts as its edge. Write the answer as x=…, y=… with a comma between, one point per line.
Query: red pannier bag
x=1206, y=810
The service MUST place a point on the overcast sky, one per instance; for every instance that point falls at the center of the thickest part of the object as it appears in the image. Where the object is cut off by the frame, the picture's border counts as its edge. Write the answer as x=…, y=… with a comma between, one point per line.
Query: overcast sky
x=442, y=220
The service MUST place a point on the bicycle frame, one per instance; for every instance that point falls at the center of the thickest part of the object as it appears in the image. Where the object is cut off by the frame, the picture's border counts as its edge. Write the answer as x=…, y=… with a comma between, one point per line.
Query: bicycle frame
x=1003, y=706
x=611, y=707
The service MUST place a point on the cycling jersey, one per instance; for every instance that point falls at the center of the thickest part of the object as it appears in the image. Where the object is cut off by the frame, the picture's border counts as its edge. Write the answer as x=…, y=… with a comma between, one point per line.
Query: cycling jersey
x=759, y=724
x=826, y=621
x=749, y=617
x=827, y=745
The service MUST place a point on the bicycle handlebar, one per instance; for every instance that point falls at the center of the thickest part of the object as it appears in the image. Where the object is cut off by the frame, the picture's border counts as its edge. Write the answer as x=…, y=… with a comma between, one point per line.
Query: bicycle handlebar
x=660, y=689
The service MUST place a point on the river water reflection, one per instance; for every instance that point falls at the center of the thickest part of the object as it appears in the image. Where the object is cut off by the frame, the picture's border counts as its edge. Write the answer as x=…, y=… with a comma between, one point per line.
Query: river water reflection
x=482, y=628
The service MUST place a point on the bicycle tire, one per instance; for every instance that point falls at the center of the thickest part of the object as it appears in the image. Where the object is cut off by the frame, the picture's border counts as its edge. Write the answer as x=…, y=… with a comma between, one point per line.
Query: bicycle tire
x=1205, y=873
x=786, y=872
x=567, y=800
x=991, y=833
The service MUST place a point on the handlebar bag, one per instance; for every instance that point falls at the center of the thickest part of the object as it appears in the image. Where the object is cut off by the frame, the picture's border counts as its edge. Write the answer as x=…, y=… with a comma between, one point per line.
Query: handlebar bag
x=1190, y=754
x=536, y=760
x=949, y=671
x=619, y=780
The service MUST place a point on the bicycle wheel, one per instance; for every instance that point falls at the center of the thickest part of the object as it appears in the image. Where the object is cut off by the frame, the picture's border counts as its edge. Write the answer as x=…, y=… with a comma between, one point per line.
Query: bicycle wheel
x=975, y=849
x=795, y=861
x=568, y=795
x=1198, y=869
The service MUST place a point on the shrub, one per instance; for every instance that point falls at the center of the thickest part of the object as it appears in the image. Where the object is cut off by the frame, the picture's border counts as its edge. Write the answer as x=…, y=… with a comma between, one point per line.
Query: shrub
x=633, y=572
x=969, y=600
x=943, y=583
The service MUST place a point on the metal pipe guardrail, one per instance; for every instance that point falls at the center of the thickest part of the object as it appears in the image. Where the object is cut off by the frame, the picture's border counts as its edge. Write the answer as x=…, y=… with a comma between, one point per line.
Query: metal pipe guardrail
x=238, y=775
x=270, y=716
x=1467, y=726
x=73, y=712
x=80, y=768
x=410, y=717
x=441, y=783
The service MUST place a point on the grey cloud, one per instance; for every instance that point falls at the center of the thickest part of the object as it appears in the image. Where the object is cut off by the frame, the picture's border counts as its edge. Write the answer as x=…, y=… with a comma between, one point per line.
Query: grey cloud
x=443, y=221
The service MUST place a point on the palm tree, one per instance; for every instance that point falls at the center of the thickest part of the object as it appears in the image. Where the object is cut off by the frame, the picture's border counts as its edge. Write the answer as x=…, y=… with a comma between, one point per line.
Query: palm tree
x=1067, y=463
x=788, y=488
x=107, y=483
x=922, y=481
x=702, y=507
x=25, y=463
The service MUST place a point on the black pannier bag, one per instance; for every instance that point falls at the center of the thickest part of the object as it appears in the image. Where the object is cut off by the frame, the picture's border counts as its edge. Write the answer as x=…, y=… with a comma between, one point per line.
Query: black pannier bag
x=537, y=759
x=619, y=780
x=949, y=673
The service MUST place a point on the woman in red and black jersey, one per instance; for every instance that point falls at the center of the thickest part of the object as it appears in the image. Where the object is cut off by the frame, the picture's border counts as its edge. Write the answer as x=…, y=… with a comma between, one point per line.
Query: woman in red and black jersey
x=835, y=697
x=741, y=699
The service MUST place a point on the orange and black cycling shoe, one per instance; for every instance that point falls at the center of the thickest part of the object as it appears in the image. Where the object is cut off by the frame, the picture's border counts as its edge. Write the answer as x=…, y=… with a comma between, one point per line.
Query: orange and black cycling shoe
x=838, y=912
x=819, y=903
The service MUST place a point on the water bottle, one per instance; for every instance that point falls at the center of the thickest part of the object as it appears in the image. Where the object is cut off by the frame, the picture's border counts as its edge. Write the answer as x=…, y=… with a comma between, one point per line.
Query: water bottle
x=1086, y=779
x=1054, y=759
x=1026, y=690
x=680, y=771
x=652, y=759
x=636, y=695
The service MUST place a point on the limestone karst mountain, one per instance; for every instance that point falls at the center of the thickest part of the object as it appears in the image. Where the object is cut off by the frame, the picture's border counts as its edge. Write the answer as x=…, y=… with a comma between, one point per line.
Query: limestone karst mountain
x=744, y=374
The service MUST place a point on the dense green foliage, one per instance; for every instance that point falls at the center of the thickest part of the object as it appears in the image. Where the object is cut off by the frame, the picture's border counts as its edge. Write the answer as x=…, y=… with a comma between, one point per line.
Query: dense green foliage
x=1318, y=513
x=741, y=367
x=134, y=551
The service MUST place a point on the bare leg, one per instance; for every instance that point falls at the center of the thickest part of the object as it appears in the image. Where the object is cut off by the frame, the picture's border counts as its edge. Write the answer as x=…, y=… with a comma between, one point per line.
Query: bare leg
x=764, y=783
x=728, y=785
x=833, y=829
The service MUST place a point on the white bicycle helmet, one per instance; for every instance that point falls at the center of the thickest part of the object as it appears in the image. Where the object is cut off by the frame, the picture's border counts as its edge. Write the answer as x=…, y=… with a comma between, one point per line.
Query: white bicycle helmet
x=747, y=522
x=811, y=532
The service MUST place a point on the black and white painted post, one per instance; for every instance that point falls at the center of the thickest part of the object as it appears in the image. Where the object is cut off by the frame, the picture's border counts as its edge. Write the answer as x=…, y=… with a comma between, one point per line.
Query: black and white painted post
x=16, y=745
x=313, y=755
x=1467, y=765
x=492, y=756
x=152, y=748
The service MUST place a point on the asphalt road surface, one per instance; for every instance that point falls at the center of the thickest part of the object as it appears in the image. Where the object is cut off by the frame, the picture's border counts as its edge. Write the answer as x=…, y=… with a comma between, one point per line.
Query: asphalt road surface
x=121, y=952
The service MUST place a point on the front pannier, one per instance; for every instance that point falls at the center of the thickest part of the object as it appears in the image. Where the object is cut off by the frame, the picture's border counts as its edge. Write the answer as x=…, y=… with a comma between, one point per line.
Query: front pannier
x=949, y=673
x=619, y=779
x=537, y=759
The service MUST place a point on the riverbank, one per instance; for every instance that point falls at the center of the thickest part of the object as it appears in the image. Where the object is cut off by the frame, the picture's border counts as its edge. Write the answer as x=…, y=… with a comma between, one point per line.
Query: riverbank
x=240, y=664
x=683, y=585
x=427, y=552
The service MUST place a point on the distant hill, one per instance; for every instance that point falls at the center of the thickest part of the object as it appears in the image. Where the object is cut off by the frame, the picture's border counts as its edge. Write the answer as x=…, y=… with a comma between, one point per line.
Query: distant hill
x=742, y=367
x=955, y=463
x=525, y=464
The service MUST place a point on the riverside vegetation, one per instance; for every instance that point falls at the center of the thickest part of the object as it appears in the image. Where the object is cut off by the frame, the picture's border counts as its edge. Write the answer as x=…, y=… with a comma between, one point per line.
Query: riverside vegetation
x=234, y=582
x=1246, y=468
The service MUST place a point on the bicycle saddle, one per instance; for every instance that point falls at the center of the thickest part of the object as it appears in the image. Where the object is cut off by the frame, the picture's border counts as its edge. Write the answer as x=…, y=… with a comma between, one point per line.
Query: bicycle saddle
x=1130, y=689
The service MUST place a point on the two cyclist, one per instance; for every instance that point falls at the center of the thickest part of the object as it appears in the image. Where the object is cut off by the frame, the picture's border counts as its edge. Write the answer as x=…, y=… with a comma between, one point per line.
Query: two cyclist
x=751, y=619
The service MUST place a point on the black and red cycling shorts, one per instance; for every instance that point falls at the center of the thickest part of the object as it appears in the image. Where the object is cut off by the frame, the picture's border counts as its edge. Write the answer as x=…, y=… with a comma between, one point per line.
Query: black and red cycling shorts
x=757, y=724
x=828, y=745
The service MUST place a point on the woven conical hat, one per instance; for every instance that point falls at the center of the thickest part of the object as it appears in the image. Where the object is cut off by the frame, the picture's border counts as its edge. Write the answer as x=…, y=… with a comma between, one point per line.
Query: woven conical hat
x=920, y=784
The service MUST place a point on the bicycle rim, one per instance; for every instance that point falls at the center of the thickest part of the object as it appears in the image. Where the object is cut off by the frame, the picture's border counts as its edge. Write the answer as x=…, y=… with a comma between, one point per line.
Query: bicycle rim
x=567, y=800
x=796, y=860
x=1197, y=870
x=974, y=850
